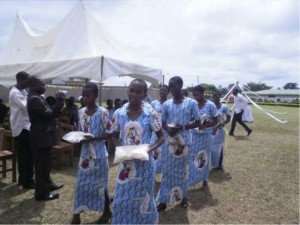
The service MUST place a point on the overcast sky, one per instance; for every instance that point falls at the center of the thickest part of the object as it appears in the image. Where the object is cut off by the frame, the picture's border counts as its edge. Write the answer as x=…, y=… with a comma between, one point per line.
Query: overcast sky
x=219, y=41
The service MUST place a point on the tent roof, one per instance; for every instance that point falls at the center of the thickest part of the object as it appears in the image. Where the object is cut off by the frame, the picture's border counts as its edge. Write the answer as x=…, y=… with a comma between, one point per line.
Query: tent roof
x=78, y=36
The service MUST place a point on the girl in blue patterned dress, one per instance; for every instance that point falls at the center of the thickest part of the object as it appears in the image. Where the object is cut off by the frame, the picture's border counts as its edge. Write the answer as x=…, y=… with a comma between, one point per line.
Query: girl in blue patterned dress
x=158, y=106
x=134, y=192
x=177, y=114
x=218, y=134
x=91, y=193
x=200, y=153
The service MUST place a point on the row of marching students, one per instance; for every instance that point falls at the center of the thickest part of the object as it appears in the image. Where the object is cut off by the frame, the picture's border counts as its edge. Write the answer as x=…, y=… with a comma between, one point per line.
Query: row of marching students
x=180, y=148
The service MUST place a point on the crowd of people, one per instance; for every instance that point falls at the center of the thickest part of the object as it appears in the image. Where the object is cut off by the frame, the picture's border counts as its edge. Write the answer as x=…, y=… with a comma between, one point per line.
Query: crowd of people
x=185, y=136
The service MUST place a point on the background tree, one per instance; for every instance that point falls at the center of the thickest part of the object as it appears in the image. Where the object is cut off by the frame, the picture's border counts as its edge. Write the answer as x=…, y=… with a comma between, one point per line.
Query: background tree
x=223, y=91
x=258, y=86
x=290, y=86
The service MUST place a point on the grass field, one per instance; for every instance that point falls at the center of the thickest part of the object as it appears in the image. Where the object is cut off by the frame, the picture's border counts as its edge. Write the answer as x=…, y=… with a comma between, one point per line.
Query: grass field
x=260, y=183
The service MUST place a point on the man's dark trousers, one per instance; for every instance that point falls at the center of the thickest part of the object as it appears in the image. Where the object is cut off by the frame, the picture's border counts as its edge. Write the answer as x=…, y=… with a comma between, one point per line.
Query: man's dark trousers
x=25, y=159
x=237, y=117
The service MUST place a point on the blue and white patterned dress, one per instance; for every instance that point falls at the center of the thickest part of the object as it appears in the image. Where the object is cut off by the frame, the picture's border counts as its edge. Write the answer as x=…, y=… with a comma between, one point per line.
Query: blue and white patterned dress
x=157, y=153
x=219, y=138
x=200, y=152
x=92, y=175
x=134, y=192
x=174, y=183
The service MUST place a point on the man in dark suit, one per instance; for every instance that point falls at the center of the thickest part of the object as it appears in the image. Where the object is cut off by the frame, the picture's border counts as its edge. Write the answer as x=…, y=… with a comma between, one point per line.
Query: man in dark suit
x=43, y=136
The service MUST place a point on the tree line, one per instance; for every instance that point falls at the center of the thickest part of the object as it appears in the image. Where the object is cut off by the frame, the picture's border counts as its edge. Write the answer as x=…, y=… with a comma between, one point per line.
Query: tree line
x=253, y=86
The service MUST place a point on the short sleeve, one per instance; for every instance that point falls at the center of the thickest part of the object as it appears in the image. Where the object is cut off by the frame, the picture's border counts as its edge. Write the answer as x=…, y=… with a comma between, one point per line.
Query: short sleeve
x=106, y=123
x=195, y=111
x=164, y=113
x=115, y=126
x=155, y=121
x=213, y=110
x=226, y=110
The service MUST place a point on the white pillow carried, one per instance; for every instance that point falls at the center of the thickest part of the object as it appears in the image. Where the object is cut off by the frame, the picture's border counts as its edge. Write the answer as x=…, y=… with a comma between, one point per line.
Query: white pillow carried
x=130, y=152
x=75, y=136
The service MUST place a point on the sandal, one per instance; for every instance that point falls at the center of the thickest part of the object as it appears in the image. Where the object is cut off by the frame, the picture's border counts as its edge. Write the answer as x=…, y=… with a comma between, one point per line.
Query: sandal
x=184, y=204
x=161, y=207
x=103, y=219
x=75, y=220
x=205, y=186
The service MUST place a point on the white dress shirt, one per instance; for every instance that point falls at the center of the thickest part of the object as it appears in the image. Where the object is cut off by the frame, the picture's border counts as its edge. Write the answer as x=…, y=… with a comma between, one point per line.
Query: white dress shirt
x=19, y=118
x=240, y=103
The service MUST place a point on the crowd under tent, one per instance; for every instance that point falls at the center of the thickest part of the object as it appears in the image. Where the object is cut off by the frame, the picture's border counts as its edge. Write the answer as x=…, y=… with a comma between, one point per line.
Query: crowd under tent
x=76, y=47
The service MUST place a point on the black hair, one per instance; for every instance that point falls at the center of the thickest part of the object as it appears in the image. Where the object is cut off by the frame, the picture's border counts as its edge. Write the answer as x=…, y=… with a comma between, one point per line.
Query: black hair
x=22, y=76
x=185, y=92
x=235, y=90
x=33, y=81
x=93, y=87
x=166, y=86
x=124, y=101
x=117, y=99
x=199, y=88
x=108, y=101
x=142, y=82
x=177, y=80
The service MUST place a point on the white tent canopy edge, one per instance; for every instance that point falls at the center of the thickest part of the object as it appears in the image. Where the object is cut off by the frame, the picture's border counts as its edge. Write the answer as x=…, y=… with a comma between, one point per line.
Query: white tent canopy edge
x=96, y=68
x=76, y=47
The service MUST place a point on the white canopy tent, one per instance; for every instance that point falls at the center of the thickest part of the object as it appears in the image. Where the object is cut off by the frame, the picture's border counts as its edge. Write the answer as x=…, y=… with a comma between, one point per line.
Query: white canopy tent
x=76, y=47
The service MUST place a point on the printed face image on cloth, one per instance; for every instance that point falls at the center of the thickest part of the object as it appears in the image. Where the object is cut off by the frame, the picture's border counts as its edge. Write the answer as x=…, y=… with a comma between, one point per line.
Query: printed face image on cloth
x=200, y=160
x=127, y=171
x=133, y=133
x=176, y=195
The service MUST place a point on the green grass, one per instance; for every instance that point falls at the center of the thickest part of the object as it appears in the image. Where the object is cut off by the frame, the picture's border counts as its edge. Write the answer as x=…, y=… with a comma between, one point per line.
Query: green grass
x=260, y=183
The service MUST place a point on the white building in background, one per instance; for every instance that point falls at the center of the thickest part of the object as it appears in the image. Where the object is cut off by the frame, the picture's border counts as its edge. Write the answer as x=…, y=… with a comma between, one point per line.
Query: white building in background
x=272, y=95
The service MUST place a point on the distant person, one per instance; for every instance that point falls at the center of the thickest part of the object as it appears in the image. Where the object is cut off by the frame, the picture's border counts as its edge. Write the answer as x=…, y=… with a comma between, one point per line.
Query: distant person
x=148, y=99
x=157, y=105
x=117, y=103
x=218, y=134
x=82, y=105
x=20, y=127
x=51, y=101
x=110, y=108
x=43, y=137
x=91, y=189
x=3, y=111
x=185, y=93
x=71, y=111
x=124, y=102
x=240, y=103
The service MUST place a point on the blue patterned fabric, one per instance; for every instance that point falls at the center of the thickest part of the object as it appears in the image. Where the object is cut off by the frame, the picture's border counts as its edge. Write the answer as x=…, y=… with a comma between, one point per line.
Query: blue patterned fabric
x=92, y=175
x=134, y=192
x=219, y=138
x=174, y=183
x=199, y=158
x=200, y=152
x=157, y=153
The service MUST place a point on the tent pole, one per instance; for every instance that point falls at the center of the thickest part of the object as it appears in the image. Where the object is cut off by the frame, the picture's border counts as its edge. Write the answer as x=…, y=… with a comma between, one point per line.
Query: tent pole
x=100, y=87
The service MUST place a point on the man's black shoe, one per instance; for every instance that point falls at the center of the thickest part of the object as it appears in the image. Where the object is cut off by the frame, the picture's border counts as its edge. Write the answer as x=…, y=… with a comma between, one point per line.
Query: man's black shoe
x=47, y=197
x=249, y=132
x=29, y=186
x=54, y=187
